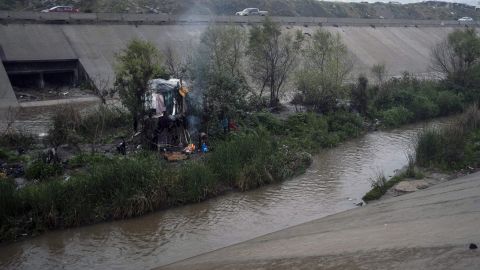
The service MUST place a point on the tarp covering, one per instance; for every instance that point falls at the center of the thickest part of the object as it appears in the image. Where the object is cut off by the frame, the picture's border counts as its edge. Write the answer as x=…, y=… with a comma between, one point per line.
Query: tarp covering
x=163, y=86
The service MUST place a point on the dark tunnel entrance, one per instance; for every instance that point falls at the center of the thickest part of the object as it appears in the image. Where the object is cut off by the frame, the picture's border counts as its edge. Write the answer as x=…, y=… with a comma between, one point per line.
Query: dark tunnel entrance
x=43, y=74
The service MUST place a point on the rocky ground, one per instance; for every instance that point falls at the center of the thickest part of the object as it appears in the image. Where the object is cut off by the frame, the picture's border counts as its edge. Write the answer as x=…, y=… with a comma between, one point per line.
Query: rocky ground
x=431, y=177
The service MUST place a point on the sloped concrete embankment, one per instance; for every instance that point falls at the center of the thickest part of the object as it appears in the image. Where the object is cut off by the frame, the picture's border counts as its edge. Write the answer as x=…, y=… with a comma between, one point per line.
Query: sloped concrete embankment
x=7, y=96
x=95, y=45
x=428, y=229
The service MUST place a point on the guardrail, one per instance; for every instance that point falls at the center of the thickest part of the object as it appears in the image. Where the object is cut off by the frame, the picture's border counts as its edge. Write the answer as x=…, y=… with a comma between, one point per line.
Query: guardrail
x=125, y=18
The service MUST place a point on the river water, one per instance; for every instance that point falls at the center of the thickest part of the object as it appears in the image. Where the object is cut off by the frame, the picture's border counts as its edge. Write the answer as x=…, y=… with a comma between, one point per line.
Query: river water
x=337, y=179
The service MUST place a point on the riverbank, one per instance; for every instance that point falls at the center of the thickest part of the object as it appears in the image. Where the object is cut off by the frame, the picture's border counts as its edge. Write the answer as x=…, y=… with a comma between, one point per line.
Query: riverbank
x=87, y=189
x=335, y=182
x=428, y=229
x=440, y=154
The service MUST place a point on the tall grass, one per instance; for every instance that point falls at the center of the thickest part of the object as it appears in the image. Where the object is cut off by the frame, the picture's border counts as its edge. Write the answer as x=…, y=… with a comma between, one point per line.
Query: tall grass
x=121, y=187
x=447, y=147
x=16, y=140
x=71, y=127
x=124, y=187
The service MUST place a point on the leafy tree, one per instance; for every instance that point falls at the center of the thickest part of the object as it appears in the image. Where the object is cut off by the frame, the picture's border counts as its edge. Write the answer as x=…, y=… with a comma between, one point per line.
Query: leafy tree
x=136, y=65
x=457, y=58
x=272, y=57
x=218, y=70
x=223, y=47
x=360, y=96
x=327, y=64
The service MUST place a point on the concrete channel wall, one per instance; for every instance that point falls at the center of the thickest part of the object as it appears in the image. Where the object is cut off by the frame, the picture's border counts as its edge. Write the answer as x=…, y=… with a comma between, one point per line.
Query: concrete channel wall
x=400, y=48
x=7, y=96
x=98, y=37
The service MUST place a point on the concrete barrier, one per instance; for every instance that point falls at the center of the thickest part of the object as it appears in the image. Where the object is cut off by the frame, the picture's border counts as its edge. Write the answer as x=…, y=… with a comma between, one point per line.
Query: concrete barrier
x=134, y=17
x=305, y=20
x=110, y=17
x=31, y=17
x=157, y=18
x=54, y=16
x=24, y=15
x=84, y=16
x=255, y=19
x=319, y=20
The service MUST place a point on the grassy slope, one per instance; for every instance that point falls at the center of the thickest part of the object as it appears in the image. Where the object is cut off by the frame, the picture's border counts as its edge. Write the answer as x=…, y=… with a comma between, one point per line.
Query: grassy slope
x=276, y=7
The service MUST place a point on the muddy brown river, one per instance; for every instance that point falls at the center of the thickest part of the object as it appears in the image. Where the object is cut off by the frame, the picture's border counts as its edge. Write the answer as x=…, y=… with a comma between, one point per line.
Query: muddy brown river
x=335, y=182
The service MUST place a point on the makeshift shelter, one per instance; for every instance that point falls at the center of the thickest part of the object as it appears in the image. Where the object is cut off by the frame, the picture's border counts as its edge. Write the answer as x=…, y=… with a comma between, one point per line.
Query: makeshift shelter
x=167, y=95
x=170, y=129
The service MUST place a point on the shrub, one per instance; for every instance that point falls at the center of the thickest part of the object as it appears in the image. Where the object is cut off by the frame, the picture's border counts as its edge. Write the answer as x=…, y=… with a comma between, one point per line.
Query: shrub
x=268, y=121
x=66, y=122
x=229, y=157
x=345, y=124
x=86, y=159
x=38, y=170
x=449, y=102
x=396, y=116
x=380, y=185
x=105, y=118
x=423, y=108
x=16, y=140
x=197, y=182
x=449, y=147
x=8, y=200
x=307, y=131
x=9, y=156
x=9, y=204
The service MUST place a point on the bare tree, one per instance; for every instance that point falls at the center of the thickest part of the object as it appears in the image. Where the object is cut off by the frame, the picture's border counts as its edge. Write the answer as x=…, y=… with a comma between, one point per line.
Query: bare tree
x=102, y=88
x=443, y=59
x=175, y=63
x=218, y=71
x=272, y=57
x=379, y=71
x=457, y=57
x=326, y=66
x=221, y=50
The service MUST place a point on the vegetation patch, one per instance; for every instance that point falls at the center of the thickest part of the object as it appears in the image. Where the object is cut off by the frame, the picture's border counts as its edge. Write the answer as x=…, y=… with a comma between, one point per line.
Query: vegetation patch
x=452, y=147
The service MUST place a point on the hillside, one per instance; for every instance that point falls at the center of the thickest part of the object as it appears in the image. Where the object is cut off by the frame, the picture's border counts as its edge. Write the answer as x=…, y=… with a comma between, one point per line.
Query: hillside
x=394, y=10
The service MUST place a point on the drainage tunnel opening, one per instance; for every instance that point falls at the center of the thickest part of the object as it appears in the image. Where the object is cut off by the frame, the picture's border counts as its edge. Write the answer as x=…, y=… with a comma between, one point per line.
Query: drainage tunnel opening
x=59, y=79
x=25, y=80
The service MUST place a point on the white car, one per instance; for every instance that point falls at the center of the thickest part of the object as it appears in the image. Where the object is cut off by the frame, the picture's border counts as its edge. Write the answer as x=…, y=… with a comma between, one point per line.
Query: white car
x=465, y=19
x=62, y=9
x=252, y=12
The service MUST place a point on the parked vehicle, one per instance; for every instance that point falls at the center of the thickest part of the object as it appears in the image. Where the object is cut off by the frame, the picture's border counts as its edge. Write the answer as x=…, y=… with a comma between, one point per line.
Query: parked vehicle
x=62, y=9
x=252, y=12
x=465, y=19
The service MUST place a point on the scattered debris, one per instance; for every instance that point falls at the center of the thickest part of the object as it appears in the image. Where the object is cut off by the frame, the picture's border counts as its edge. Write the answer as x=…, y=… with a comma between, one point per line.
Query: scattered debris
x=175, y=156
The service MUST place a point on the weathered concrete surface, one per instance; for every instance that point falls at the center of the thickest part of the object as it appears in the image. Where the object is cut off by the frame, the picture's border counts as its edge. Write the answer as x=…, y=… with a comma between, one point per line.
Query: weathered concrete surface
x=428, y=229
x=7, y=96
x=34, y=42
x=95, y=45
